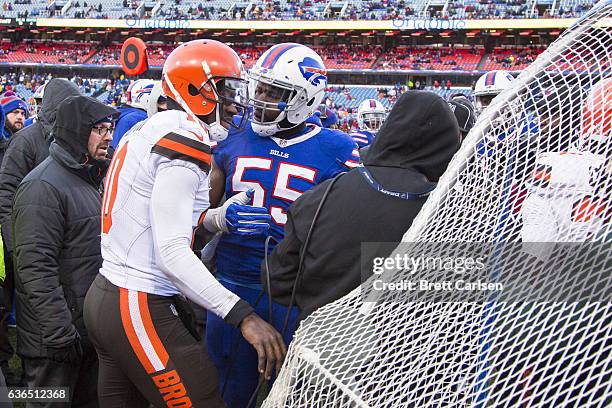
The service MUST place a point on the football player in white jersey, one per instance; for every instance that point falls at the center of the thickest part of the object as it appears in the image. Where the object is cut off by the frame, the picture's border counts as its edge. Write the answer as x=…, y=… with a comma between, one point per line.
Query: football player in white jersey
x=568, y=197
x=156, y=195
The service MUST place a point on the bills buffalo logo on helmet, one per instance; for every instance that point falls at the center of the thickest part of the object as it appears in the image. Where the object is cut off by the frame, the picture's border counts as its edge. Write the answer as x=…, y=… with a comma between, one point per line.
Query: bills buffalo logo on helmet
x=313, y=71
x=146, y=90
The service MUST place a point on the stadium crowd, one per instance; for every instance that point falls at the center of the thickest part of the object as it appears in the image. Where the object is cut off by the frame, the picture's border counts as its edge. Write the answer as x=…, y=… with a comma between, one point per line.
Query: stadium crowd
x=335, y=56
x=487, y=9
x=100, y=255
x=24, y=84
x=512, y=58
x=295, y=10
x=45, y=52
x=445, y=59
x=340, y=99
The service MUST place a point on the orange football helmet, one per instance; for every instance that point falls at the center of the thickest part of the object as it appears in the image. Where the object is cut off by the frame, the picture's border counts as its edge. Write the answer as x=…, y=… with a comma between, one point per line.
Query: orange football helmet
x=596, y=121
x=204, y=75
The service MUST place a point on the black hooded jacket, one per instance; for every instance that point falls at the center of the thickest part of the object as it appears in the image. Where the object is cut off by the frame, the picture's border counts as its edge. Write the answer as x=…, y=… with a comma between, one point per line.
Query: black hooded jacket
x=410, y=152
x=56, y=233
x=28, y=148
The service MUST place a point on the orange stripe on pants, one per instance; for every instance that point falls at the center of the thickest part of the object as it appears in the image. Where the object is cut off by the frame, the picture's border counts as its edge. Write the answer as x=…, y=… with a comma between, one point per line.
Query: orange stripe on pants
x=126, y=319
x=151, y=333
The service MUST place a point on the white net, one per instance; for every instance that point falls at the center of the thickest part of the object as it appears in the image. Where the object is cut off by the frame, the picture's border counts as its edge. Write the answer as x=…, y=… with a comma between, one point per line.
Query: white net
x=532, y=185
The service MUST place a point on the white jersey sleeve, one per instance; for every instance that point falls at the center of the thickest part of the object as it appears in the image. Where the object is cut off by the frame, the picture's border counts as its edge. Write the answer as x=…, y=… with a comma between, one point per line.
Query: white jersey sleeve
x=172, y=201
x=155, y=195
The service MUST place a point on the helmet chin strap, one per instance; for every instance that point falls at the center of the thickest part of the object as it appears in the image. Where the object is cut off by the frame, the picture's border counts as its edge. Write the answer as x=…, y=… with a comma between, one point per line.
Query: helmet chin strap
x=278, y=126
x=216, y=131
x=277, y=131
x=265, y=130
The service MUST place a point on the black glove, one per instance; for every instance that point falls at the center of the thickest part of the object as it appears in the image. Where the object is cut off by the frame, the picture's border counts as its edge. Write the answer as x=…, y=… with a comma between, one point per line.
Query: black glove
x=70, y=354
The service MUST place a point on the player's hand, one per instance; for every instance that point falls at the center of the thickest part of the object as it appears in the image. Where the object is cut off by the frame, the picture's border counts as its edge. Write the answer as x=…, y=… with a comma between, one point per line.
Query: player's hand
x=238, y=217
x=245, y=219
x=267, y=342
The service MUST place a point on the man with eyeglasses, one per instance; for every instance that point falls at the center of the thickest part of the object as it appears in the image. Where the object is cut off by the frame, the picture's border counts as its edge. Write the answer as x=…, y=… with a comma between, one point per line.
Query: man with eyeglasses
x=56, y=238
x=26, y=150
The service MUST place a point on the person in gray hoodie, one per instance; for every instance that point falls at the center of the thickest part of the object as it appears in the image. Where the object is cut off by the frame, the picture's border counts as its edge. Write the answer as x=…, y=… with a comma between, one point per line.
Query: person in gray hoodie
x=26, y=150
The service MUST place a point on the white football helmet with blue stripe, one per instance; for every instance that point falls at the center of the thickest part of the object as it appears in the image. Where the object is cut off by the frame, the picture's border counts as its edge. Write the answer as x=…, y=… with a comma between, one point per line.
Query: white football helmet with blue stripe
x=155, y=97
x=138, y=93
x=489, y=86
x=36, y=100
x=370, y=115
x=286, y=86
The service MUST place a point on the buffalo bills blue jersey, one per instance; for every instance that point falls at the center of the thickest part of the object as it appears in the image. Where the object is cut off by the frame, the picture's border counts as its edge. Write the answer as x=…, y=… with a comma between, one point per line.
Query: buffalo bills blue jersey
x=526, y=127
x=315, y=119
x=128, y=118
x=279, y=171
x=363, y=138
x=30, y=121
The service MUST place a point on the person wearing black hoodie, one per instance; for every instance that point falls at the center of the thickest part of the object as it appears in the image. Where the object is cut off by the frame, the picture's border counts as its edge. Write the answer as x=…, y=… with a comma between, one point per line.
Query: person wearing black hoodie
x=26, y=150
x=56, y=244
x=29, y=147
x=410, y=153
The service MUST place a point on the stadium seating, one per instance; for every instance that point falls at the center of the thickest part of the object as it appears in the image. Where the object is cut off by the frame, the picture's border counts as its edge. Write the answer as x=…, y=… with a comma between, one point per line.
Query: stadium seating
x=18, y=8
x=25, y=84
x=511, y=59
x=78, y=9
x=103, y=9
x=448, y=93
x=344, y=99
x=351, y=96
x=45, y=52
x=443, y=59
x=343, y=56
x=108, y=55
x=103, y=96
x=487, y=9
x=301, y=9
x=158, y=53
x=573, y=8
x=213, y=9
x=23, y=92
x=334, y=56
x=249, y=55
